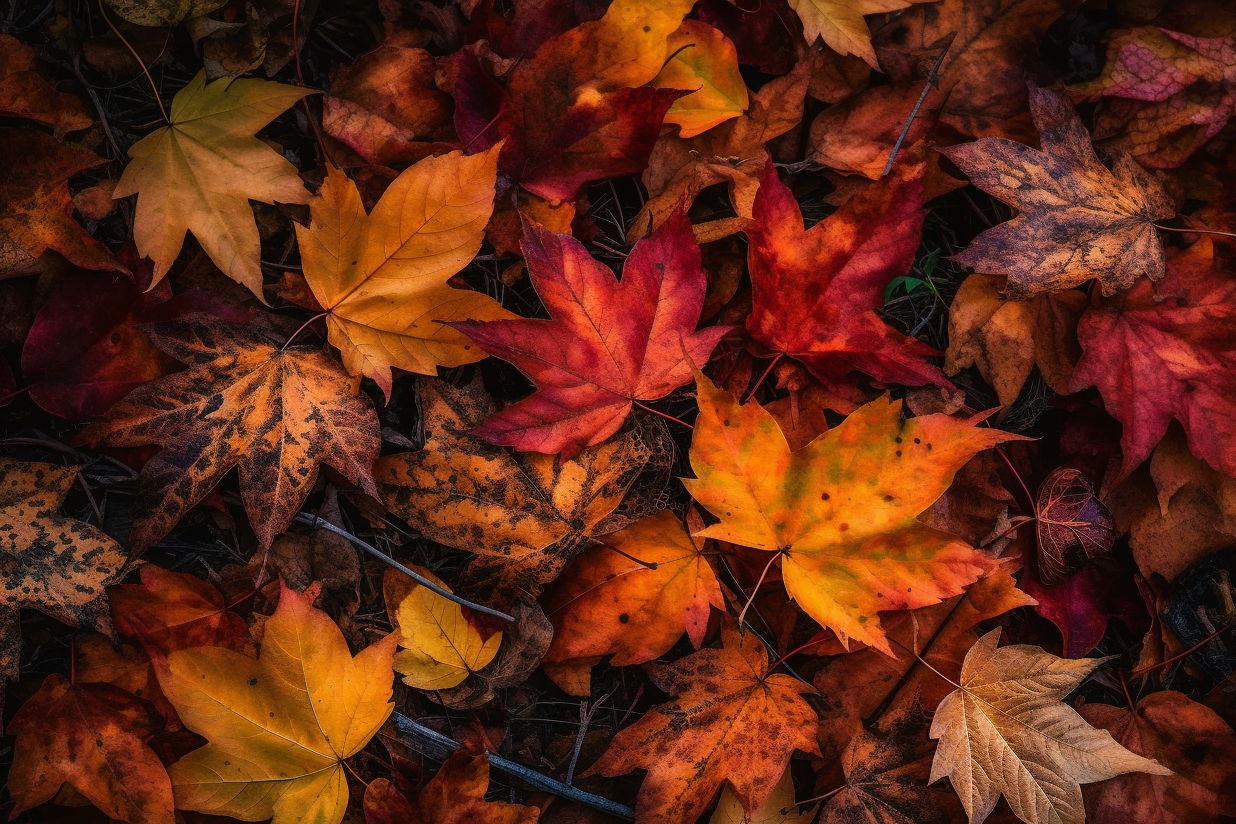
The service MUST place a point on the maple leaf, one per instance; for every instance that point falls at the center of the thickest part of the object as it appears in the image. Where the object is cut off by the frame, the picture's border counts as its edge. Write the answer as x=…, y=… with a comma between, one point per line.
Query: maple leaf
x=982, y=77
x=278, y=728
x=1078, y=220
x=52, y=563
x=704, y=63
x=91, y=737
x=840, y=23
x=441, y=646
x=1167, y=351
x=1006, y=731
x=632, y=597
x=841, y=510
x=198, y=174
x=245, y=402
x=1183, y=735
x=525, y=515
x=24, y=92
x=34, y=175
x=382, y=278
x=778, y=808
x=609, y=344
x=731, y=721
x=170, y=611
x=455, y=795
x=814, y=293
x=1187, y=84
x=1006, y=339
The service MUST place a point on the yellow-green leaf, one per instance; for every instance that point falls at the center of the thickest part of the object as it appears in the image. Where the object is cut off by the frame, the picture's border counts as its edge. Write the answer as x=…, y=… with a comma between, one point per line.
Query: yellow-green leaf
x=705, y=62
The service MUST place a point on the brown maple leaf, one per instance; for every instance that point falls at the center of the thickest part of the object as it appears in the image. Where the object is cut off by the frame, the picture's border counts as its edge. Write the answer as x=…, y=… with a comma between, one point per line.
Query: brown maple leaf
x=730, y=720
x=24, y=92
x=1078, y=220
x=245, y=402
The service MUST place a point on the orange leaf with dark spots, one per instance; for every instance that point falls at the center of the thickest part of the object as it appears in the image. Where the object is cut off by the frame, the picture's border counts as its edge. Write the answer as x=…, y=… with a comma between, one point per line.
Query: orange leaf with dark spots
x=730, y=720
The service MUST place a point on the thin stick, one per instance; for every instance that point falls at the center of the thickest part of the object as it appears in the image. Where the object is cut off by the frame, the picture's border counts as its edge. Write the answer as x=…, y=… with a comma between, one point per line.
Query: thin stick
x=544, y=783
x=767, y=369
x=933, y=79
x=145, y=71
x=663, y=415
x=586, y=714
x=1195, y=231
x=1212, y=636
x=313, y=520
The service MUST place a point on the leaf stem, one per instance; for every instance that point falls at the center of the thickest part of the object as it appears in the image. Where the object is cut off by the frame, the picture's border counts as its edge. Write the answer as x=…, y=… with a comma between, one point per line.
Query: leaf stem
x=1195, y=231
x=1212, y=636
x=1017, y=475
x=302, y=328
x=154, y=88
x=755, y=591
x=662, y=414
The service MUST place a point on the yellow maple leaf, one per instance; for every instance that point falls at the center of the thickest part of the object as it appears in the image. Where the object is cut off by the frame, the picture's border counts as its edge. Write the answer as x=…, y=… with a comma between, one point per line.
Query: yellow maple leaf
x=279, y=727
x=383, y=277
x=1005, y=729
x=198, y=174
x=704, y=62
x=841, y=23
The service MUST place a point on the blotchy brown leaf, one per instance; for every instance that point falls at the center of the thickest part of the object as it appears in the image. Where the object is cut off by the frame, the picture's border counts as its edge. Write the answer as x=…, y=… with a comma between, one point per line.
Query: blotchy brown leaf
x=275, y=413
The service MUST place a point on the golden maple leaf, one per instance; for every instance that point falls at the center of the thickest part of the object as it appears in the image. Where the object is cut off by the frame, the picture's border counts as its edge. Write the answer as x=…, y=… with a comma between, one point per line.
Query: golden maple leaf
x=278, y=728
x=382, y=277
x=842, y=510
x=1005, y=730
x=276, y=413
x=840, y=23
x=199, y=172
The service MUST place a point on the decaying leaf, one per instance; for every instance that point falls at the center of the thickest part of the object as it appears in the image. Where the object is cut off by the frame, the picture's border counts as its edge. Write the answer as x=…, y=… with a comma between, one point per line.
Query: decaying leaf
x=730, y=722
x=1006, y=731
x=1072, y=525
x=382, y=277
x=525, y=515
x=609, y=345
x=276, y=413
x=842, y=510
x=456, y=795
x=1078, y=220
x=198, y=174
x=279, y=727
x=91, y=737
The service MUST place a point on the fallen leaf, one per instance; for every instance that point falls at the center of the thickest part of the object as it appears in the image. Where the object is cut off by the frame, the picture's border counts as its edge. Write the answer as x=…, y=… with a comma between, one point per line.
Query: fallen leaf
x=91, y=737
x=778, y=808
x=526, y=515
x=858, y=134
x=170, y=611
x=632, y=597
x=278, y=728
x=198, y=174
x=382, y=278
x=37, y=208
x=456, y=795
x=524, y=642
x=1078, y=220
x=730, y=722
x=840, y=23
x=842, y=511
x=1183, y=735
x=24, y=92
x=52, y=563
x=162, y=12
x=609, y=344
x=1082, y=604
x=245, y=402
x=440, y=645
x=704, y=63
x=814, y=293
x=1006, y=339
x=1072, y=525
x=1006, y=731
x=1167, y=351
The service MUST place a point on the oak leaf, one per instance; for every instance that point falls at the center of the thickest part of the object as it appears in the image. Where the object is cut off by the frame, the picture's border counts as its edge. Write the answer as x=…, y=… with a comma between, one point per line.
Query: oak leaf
x=704, y=63
x=1006, y=339
x=37, y=208
x=1181, y=734
x=245, y=402
x=814, y=293
x=382, y=277
x=24, y=92
x=609, y=344
x=840, y=23
x=198, y=174
x=632, y=597
x=525, y=515
x=92, y=737
x=1168, y=350
x=440, y=645
x=1006, y=731
x=842, y=510
x=52, y=563
x=278, y=728
x=1078, y=220
x=731, y=722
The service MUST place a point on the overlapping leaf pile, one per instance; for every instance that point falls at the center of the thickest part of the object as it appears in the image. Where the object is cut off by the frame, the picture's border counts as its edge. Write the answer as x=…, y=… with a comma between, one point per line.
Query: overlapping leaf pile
x=465, y=411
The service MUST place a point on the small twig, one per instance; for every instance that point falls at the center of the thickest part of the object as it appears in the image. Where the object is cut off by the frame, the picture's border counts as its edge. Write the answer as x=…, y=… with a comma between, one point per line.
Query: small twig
x=1192, y=231
x=586, y=712
x=763, y=375
x=153, y=86
x=1212, y=636
x=302, y=328
x=663, y=415
x=933, y=80
x=313, y=520
x=531, y=777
